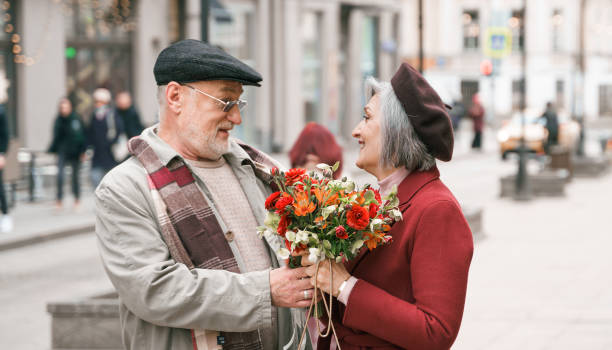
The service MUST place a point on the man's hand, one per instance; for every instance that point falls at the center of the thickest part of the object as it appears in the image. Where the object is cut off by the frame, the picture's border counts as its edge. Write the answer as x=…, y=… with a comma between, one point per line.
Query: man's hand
x=2, y=162
x=290, y=287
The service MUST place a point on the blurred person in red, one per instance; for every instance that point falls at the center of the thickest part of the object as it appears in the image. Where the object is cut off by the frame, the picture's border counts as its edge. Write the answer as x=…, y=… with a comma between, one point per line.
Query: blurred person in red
x=476, y=113
x=316, y=144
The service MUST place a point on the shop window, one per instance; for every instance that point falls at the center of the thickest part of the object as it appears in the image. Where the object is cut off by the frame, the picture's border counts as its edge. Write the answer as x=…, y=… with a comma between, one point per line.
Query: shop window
x=311, y=65
x=471, y=30
x=517, y=26
x=98, y=49
x=605, y=100
x=557, y=25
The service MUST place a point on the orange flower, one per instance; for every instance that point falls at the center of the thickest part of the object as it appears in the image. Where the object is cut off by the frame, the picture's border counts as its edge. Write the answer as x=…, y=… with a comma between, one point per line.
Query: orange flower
x=303, y=206
x=322, y=194
x=373, y=239
x=319, y=219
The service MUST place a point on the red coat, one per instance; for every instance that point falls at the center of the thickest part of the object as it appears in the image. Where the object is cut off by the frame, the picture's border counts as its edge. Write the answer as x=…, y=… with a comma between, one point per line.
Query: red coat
x=410, y=293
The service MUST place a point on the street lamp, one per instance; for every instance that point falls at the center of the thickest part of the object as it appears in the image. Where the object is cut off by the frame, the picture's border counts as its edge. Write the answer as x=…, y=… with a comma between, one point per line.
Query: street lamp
x=522, y=191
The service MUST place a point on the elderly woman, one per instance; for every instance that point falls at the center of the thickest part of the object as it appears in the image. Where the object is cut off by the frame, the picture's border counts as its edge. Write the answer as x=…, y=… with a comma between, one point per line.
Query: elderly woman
x=410, y=293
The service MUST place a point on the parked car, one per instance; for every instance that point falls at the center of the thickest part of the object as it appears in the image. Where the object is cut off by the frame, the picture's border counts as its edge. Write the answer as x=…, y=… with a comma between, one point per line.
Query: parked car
x=509, y=135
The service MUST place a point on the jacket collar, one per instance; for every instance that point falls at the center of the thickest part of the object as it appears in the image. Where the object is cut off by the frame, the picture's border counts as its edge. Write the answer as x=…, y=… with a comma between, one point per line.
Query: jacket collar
x=413, y=183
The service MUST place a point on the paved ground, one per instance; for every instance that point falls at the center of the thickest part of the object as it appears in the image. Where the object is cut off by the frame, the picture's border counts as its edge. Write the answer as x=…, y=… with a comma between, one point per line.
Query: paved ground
x=540, y=279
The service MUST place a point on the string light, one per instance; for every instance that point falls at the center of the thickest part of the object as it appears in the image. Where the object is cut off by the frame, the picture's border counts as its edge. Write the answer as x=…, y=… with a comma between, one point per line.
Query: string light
x=119, y=15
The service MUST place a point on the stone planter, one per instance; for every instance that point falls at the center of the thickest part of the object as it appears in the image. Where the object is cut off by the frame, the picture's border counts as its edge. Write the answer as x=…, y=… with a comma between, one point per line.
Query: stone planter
x=546, y=183
x=91, y=323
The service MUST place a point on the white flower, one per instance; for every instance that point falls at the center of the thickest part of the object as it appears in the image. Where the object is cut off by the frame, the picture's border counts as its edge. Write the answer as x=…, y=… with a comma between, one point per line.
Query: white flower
x=356, y=246
x=328, y=210
x=283, y=253
x=396, y=215
x=315, y=255
x=290, y=235
x=301, y=236
x=272, y=220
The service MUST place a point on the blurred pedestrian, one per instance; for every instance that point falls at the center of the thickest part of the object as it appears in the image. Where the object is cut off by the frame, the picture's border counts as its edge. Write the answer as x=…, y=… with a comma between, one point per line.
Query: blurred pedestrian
x=457, y=113
x=551, y=123
x=316, y=144
x=477, y=113
x=6, y=223
x=69, y=144
x=128, y=114
x=102, y=133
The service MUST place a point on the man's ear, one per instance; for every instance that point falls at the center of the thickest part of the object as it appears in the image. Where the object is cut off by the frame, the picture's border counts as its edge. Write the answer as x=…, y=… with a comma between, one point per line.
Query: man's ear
x=174, y=97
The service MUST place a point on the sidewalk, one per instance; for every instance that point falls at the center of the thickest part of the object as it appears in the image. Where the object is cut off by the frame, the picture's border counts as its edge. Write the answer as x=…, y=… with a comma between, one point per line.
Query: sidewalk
x=41, y=221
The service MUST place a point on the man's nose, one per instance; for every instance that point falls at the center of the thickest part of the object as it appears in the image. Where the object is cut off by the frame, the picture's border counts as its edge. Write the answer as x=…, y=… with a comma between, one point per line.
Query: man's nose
x=234, y=115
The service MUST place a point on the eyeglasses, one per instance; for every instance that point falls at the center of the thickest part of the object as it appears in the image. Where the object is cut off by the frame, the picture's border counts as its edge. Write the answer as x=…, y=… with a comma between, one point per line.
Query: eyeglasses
x=227, y=105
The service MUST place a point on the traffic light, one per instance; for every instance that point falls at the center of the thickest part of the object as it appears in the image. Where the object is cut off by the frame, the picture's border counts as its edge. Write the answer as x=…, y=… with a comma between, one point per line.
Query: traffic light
x=486, y=67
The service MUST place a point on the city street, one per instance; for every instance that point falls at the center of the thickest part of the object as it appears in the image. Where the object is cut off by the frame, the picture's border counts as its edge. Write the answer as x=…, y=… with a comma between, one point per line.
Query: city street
x=58, y=270
x=539, y=278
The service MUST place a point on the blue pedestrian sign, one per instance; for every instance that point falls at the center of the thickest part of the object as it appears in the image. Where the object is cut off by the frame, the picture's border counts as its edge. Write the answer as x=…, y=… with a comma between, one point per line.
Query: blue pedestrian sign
x=498, y=42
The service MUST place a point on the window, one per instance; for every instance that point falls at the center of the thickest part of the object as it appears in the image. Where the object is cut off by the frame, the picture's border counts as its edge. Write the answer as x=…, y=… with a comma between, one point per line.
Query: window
x=605, y=100
x=311, y=65
x=232, y=27
x=557, y=23
x=517, y=26
x=560, y=94
x=471, y=30
x=518, y=93
x=98, y=49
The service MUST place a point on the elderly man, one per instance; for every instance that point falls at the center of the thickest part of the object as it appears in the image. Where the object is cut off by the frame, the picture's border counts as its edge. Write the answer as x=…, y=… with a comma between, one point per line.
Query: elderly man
x=176, y=223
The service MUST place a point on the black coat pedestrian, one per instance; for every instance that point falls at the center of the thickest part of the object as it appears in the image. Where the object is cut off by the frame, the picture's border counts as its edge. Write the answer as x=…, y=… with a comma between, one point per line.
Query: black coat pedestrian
x=102, y=133
x=68, y=136
x=131, y=121
x=4, y=131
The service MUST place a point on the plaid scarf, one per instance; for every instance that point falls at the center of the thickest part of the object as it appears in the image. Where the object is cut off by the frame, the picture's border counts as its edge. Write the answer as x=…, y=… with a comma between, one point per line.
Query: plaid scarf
x=191, y=230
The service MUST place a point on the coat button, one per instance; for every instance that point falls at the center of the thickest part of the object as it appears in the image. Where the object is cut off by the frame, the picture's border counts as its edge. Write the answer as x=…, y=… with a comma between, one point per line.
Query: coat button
x=229, y=235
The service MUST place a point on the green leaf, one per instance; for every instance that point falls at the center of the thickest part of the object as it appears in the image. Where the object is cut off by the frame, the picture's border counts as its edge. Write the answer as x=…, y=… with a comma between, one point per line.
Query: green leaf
x=336, y=166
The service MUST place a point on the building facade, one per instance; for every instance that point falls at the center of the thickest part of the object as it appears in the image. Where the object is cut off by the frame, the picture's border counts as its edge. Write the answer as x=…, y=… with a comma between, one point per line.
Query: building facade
x=313, y=55
x=458, y=33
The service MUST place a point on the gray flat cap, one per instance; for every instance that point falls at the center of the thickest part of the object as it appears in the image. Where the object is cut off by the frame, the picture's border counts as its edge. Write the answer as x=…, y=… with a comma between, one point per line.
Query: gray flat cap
x=194, y=60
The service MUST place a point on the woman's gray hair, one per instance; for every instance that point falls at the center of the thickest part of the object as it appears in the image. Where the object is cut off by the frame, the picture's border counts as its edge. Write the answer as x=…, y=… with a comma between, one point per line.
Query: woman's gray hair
x=401, y=147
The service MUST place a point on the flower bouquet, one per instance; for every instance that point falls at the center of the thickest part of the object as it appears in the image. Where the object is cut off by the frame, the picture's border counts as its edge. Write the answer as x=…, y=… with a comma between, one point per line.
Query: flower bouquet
x=326, y=218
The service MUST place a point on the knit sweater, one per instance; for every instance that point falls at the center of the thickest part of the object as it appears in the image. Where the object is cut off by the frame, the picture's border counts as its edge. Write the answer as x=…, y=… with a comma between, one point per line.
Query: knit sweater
x=234, y=208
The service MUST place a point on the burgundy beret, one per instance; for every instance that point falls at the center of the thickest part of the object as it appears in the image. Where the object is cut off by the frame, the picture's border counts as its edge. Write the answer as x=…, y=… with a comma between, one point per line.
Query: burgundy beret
x=426, y=111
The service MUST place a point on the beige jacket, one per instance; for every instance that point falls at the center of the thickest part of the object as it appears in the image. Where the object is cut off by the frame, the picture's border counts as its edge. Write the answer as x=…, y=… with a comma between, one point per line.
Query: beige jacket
x=161, y=300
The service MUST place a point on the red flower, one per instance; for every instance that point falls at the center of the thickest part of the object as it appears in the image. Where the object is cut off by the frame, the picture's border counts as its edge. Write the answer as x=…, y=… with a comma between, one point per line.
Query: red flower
x=271, y=200
x=358, y=217
x=274, y=171
x=373, y=209
x=282, y=225
x=294, y=175
x=284, y=201
x=341, y=232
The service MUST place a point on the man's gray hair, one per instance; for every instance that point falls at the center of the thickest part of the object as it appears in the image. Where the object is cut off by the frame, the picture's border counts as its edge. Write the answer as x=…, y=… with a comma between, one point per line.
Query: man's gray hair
x=401, y=146
x=161, y=101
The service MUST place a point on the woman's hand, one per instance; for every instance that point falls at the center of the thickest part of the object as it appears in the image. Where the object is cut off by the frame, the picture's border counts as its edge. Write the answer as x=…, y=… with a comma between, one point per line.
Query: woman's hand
x=337, y=269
